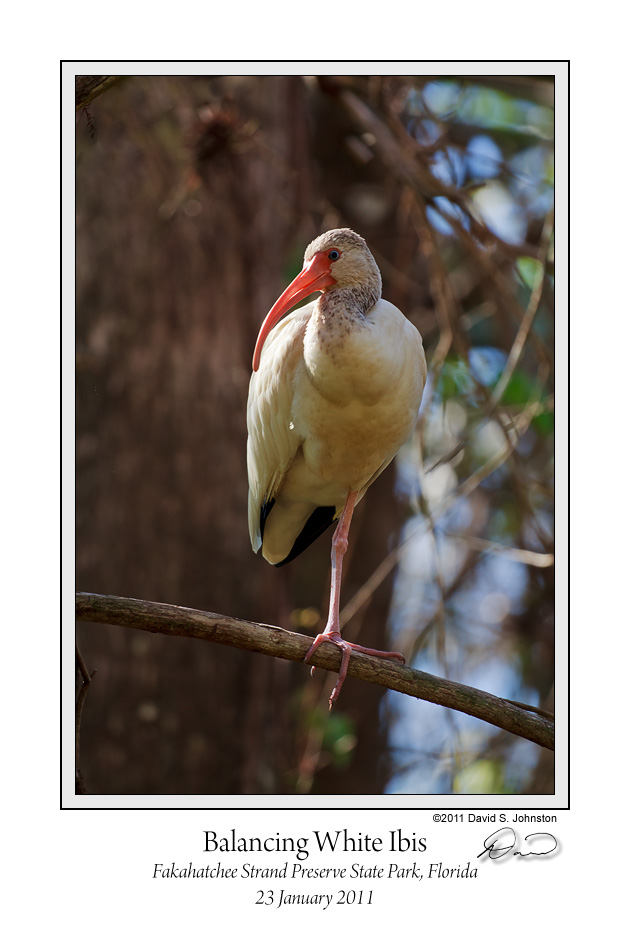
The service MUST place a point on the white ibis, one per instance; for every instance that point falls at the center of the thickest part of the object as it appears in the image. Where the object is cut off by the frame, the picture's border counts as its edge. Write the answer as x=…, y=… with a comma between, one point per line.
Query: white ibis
x=334, y=394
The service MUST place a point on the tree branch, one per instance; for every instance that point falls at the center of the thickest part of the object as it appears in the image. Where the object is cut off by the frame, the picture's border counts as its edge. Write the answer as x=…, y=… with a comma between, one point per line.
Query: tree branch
x=530, y=723
x=89, y=86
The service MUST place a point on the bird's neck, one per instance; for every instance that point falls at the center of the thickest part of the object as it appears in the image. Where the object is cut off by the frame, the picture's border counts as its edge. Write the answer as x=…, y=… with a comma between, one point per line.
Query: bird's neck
x=349, y=302
x=333, y=341
x=337, y=313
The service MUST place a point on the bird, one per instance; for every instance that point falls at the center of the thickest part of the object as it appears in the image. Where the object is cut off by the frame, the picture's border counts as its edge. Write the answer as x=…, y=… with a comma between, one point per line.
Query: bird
x=334, y=393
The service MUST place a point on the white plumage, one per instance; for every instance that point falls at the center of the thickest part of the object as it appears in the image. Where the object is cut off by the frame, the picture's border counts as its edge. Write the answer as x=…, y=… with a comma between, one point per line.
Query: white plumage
x=336, y=393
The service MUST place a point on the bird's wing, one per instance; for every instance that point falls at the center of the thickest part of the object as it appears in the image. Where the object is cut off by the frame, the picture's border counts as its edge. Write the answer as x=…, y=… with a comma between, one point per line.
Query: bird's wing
x=273, y=440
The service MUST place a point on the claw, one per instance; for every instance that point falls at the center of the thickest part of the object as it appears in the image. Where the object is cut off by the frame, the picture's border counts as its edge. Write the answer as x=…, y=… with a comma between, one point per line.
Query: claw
x=346, y=651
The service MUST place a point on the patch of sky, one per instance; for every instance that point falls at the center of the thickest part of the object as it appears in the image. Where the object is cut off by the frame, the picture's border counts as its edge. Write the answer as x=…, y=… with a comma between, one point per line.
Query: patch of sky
x=522, y=757
x=441, y=97
x=500, y=212
x=486, y=363
x=484, y=157
x=438, y=215
x=449, y=166
x=424, y=131
x=531, y=179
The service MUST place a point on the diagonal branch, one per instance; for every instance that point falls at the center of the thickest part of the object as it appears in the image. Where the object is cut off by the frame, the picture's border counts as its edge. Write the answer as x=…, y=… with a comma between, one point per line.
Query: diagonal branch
x=530, y=723
x=89, y=86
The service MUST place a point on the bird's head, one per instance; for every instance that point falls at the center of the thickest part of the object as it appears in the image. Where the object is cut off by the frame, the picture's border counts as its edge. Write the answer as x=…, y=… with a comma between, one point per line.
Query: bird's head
x=338, y=259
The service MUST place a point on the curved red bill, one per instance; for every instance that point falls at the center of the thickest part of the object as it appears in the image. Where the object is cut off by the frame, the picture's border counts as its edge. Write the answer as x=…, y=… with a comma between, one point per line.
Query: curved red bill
x=315, y=276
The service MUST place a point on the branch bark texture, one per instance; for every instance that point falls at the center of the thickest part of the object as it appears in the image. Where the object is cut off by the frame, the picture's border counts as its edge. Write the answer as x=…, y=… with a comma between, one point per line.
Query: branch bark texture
x=170, y=620
x=89, y=86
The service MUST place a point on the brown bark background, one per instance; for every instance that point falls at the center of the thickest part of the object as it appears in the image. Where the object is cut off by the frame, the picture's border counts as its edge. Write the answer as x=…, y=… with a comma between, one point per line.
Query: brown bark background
x=196, y=197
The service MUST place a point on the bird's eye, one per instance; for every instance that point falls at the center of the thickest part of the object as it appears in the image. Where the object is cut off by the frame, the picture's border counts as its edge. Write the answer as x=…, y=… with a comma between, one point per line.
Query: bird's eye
x=333, y=255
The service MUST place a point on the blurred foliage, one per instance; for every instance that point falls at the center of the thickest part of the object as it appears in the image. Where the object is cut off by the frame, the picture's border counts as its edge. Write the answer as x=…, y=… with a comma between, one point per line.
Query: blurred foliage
x=474, y=591
x=196, y=197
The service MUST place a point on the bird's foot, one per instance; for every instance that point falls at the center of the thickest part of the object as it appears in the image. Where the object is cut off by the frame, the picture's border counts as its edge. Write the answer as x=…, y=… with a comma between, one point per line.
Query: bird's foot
x=346, y=651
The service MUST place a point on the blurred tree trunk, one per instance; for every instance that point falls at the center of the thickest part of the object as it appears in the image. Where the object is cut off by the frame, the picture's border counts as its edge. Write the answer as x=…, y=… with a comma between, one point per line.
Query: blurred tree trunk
x=177, y=214
x=188, y=198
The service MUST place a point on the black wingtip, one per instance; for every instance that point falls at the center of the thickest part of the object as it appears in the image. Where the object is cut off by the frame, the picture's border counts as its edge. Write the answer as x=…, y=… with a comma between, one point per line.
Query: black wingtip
x=317, y=523
x=265, y=510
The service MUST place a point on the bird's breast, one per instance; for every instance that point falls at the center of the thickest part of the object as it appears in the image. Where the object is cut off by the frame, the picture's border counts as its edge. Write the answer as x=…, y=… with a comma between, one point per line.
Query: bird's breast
x=357, y=392
x=349, y=356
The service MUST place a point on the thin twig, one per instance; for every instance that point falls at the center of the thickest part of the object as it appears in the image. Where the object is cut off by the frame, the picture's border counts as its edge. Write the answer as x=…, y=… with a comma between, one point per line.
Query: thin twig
x=86, y=681
x=537, y=559
x=528, y=318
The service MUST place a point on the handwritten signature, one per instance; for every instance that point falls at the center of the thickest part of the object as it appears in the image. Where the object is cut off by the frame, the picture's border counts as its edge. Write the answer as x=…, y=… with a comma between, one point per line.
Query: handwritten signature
x=542, y=844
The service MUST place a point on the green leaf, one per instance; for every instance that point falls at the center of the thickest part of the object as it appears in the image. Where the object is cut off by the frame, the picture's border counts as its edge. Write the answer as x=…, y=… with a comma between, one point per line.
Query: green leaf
x=481, y=777
x=529, y=269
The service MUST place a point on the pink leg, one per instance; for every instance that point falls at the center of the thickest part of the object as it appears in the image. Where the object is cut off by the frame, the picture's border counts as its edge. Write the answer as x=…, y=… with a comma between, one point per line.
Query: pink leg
x=332, y=633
